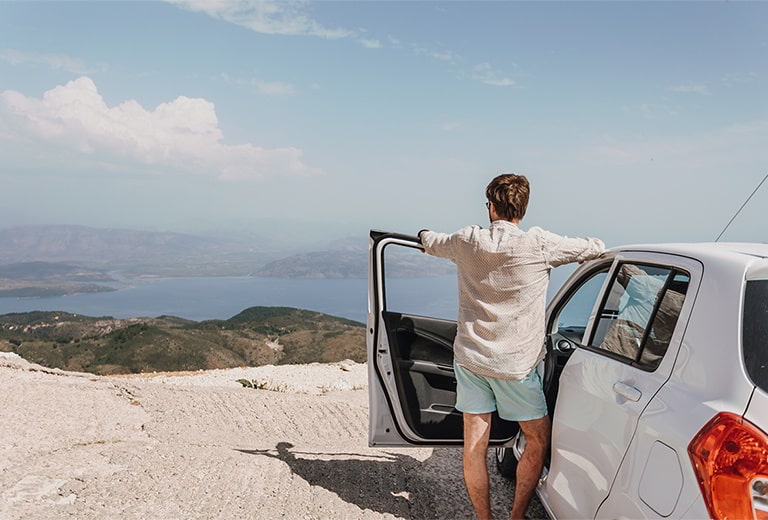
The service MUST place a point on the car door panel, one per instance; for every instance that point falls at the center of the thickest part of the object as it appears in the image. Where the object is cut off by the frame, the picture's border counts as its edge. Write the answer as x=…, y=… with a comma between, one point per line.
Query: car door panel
x=603, y=394
x=593, y=427
x=661, y=422
x=422, y=353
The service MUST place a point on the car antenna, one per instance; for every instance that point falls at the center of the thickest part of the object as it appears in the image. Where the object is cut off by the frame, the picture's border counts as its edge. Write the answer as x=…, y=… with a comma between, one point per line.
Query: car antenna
x=741, y=208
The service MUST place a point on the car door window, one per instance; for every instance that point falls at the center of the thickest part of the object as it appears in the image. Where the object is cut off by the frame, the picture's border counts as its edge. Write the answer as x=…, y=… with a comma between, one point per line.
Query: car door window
x=419, y=284
x=755, y=332
x=639, y=314
x=573, y=316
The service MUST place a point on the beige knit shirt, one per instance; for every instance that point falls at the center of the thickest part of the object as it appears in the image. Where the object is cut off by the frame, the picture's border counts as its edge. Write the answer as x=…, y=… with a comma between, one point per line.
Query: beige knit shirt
x=503, y=273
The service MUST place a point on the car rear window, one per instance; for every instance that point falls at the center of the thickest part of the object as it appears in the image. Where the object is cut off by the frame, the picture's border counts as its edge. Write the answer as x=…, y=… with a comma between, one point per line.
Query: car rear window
x=755, y=332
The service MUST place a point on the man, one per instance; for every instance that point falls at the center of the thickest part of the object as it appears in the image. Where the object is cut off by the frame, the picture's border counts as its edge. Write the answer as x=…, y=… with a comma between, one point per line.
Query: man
x=503, y=274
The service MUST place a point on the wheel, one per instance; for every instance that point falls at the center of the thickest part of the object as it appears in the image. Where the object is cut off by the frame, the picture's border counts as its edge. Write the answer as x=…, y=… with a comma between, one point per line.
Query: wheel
x=506, y=462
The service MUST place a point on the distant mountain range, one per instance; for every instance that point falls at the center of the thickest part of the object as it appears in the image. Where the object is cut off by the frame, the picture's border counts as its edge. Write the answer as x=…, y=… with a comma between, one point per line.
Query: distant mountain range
x=58, y=260
x=135, y=252
x=318, y=264
x=25, y=251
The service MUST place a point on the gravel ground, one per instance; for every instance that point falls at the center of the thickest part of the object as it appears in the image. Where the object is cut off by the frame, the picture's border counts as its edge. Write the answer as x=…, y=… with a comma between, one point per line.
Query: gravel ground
x=201, y=445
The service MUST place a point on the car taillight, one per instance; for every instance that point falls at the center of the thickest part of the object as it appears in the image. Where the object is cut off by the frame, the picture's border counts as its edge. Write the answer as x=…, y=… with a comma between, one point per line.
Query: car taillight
x=730, y=457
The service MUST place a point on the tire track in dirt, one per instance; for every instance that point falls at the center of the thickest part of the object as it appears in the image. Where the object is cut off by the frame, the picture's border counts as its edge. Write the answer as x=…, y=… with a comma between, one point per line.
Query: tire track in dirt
x=252, y=417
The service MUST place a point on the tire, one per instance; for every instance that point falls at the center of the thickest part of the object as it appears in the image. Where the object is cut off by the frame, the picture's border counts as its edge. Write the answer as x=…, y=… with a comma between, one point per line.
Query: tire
x=506, y=463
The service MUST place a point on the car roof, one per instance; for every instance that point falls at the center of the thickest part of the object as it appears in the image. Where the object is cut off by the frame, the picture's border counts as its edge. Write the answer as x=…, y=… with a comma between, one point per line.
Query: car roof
x=732, y=251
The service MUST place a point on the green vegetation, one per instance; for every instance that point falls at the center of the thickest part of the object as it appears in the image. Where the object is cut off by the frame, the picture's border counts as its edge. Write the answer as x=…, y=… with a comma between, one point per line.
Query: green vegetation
x=257, y=336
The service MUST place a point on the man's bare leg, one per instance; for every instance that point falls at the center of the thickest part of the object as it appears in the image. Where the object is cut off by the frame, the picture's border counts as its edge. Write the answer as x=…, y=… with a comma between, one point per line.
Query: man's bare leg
x=477, y=431
x=537, y=434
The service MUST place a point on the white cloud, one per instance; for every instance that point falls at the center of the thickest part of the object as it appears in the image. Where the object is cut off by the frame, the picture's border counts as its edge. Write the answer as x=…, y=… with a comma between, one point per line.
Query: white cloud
x=444, y=56
x=736, y=79
x=371, y=44
x=182, y=135
x=692, y=88
x=54, y=61
x=286, y=17
x=450, y=126
x=490, y=76
x=726, y=149
x=651, y=110
x=271, y=88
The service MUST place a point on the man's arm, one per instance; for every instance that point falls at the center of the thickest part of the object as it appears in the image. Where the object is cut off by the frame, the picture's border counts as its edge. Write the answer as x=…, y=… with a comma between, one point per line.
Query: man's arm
x=562, y=250
x=437, y=244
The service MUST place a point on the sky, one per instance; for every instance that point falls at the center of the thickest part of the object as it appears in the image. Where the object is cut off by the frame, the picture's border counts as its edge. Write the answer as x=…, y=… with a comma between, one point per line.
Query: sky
x=634, y=121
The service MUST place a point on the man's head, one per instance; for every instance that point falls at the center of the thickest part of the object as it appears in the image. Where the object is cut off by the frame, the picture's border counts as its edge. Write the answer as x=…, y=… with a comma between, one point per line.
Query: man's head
x=509, y=195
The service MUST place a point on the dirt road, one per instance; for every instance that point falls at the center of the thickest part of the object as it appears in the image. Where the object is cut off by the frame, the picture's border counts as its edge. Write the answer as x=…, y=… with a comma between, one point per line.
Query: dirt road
x=203, y=446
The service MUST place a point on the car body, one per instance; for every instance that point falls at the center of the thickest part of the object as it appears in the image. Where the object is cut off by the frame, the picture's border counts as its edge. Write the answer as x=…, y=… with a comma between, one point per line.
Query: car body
x=656, y=378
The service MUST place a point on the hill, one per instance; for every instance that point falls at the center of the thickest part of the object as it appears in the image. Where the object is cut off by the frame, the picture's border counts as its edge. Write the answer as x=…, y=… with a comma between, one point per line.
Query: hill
x=256, y=336
x=40, y=279
x=318, y=264
x=129, y=252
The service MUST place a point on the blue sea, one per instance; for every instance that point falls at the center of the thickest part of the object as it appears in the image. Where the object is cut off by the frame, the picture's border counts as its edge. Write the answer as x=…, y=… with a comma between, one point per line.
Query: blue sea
x=201, y=299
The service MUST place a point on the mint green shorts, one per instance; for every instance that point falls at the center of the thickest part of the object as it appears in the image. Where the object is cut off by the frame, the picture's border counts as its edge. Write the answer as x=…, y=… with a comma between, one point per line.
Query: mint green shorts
x=521, y=400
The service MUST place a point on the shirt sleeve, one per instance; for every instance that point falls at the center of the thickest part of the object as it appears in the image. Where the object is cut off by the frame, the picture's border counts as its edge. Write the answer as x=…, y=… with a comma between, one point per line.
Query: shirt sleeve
x=560, y=250
x=438, y=244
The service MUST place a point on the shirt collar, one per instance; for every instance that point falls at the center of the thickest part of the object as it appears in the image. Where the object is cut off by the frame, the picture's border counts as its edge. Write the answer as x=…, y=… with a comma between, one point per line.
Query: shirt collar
x=504, y=224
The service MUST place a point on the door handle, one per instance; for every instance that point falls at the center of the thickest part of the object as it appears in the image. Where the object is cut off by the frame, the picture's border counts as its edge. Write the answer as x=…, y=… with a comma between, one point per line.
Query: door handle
x=627, y=391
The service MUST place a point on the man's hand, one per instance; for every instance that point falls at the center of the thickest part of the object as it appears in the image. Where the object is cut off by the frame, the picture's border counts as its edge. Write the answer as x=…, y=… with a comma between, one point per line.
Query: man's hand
x=419, y=236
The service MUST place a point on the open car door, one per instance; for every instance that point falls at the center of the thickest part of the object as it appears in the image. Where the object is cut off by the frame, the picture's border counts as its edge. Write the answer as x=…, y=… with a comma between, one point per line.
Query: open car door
x=411, y=383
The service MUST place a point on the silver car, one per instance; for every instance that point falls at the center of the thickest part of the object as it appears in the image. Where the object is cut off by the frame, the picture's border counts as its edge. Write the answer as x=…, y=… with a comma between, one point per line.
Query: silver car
x=656, y=378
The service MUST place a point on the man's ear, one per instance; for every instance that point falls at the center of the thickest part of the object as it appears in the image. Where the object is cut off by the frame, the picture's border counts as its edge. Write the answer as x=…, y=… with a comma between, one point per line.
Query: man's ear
x=492, y=212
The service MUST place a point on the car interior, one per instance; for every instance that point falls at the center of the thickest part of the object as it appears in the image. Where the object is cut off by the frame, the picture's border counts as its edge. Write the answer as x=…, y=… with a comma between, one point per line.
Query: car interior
x=423, y=352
